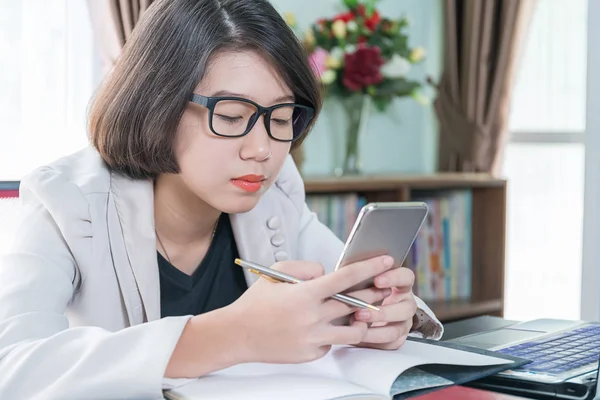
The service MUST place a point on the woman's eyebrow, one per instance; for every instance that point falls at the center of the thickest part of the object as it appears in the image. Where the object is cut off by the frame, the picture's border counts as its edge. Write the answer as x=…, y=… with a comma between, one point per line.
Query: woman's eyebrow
x=283, y=98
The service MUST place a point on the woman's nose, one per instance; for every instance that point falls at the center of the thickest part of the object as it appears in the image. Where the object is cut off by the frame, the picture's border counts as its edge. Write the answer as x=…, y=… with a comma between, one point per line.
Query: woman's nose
x=257, y=143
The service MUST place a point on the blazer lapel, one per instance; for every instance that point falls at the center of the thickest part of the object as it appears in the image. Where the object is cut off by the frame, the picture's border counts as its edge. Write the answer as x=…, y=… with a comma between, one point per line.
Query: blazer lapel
x=131, y=228
x=134, y=205
x=252, y=238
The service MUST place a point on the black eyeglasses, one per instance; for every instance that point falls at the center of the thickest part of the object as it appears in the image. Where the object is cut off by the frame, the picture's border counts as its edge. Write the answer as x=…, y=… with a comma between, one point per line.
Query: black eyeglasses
x=235, y=117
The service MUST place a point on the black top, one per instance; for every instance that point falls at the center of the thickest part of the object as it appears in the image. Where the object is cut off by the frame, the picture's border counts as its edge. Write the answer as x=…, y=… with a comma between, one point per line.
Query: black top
x=216, y=283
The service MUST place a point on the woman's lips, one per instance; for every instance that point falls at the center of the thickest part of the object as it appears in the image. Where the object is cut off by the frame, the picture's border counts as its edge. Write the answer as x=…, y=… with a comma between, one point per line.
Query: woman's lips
x=250, y=183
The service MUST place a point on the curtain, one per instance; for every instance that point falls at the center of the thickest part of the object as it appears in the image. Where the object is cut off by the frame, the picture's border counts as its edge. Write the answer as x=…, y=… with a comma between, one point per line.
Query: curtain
x=113, y=21
x=482, y=40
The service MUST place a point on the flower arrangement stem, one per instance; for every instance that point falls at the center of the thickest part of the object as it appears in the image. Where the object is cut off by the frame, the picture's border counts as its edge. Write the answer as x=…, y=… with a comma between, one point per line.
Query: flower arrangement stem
x=356, y=109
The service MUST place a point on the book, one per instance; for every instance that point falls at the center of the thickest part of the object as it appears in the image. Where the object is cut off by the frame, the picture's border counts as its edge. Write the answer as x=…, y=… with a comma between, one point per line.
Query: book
x=441, y=254
x=466, y=393
x=418, y=367
x=338, y=212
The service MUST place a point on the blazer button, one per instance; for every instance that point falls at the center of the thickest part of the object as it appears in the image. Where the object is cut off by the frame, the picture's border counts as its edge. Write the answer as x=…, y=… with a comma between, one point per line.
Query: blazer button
x=281, y=256
x=277, y=240
x=273, y=223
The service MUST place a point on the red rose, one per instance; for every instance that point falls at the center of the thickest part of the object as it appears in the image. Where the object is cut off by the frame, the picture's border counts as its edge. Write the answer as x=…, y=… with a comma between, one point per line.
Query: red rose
x=372, y=21
x=362, y=68
x=346, y=17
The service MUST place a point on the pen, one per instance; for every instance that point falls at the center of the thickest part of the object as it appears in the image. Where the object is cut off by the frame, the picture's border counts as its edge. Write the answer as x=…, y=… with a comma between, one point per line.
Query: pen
x=276, y=276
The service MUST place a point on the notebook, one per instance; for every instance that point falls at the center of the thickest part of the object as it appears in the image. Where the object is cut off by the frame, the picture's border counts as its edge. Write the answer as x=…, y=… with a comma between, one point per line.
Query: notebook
x=348, y=372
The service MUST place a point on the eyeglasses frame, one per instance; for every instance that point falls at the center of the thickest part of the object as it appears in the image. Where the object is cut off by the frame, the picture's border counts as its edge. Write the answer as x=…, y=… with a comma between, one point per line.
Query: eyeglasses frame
x=211, y=102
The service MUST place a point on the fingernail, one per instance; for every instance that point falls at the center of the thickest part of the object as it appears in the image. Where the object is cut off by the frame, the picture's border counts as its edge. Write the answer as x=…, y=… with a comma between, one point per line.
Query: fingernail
x=364, y=315
x=388, y=261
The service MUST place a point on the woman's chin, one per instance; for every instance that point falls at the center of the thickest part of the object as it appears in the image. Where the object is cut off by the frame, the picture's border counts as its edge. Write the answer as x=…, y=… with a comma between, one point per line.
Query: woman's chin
x=238, y=204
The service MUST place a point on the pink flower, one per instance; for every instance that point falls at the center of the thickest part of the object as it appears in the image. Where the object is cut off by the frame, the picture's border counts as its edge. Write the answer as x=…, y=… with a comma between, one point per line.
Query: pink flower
x=318, y=60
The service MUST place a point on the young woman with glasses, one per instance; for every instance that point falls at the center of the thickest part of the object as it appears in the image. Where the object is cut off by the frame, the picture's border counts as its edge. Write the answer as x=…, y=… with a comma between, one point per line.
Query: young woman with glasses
x=122, y=271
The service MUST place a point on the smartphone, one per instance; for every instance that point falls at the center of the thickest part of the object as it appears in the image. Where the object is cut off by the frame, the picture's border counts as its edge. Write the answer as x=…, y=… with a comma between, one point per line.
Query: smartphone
x=387, y=228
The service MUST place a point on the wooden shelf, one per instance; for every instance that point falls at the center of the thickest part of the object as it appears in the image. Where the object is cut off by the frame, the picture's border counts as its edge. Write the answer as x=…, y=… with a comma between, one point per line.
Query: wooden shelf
x=437, y=181
x=459, y=309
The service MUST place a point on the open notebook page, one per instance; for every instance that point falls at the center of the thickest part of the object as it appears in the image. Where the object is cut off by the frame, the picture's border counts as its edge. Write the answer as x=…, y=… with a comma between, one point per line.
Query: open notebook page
x=320, y=379
x=377, y=370
x=343, y=372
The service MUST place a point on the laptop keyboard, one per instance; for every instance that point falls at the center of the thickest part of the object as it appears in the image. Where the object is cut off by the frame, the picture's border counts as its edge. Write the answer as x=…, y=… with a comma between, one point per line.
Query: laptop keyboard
x=560, y=353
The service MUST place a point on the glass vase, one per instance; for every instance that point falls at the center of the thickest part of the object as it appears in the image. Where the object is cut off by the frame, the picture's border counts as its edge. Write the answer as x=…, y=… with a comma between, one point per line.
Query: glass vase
x=356, y=113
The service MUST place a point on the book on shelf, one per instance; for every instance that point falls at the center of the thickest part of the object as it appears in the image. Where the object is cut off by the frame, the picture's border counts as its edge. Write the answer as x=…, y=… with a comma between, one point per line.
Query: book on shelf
x=441, y=253
x=338, y=212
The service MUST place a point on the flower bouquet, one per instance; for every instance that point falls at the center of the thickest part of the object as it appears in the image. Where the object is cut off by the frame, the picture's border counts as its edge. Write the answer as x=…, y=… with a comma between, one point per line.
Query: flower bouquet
x=361, y=57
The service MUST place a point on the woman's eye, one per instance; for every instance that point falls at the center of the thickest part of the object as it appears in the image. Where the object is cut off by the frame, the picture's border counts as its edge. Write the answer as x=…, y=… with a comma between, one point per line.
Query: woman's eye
x=229, y=119
x=282, y=122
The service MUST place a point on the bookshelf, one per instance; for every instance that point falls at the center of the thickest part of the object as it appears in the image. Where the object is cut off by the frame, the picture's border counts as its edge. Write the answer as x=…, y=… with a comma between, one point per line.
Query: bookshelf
x=487, y=223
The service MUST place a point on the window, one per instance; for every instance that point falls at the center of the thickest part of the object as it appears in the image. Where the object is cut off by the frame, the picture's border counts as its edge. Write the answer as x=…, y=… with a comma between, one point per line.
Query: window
x=48, y=76
x=544, y=165
x=549, y=94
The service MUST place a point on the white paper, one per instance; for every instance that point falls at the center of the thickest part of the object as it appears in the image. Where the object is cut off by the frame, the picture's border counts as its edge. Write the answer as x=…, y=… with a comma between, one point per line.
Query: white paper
x=273, y=381
x=344, y=371
x=172, y=383
x=378, y=369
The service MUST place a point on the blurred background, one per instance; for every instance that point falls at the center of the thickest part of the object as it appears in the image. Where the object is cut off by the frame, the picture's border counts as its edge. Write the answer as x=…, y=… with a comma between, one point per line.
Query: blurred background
x=486, y=110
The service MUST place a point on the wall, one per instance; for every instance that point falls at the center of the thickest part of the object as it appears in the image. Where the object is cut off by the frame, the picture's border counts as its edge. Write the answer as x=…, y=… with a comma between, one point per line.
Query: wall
x=404, y=138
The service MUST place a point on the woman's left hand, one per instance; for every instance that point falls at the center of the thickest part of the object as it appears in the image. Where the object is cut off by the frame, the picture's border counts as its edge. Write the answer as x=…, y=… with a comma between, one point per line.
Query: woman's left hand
x=390, y=327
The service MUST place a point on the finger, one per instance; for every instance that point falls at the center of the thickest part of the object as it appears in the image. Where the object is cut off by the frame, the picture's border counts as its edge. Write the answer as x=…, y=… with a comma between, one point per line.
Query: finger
x=334, y=308
x=389, y=333
x=397, y=296
x=353, y=334
x=395, y=345
x=303, y=270
x=350, y=275
x=402, y=310
x=402, y=278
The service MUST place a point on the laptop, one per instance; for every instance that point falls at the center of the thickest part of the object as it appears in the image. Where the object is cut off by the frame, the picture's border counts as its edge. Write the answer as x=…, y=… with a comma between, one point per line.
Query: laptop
x=565, y=357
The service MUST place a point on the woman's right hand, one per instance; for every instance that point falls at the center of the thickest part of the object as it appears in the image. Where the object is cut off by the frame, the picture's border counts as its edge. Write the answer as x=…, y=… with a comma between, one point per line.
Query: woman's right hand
x=286, y=323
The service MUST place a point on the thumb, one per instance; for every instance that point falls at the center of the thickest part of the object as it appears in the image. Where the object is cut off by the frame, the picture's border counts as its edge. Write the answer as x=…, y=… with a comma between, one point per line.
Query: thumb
x=303, y=270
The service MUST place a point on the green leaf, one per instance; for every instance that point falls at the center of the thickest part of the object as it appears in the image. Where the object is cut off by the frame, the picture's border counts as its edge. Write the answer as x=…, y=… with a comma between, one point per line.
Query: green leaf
x=403, y=22
x=351, y=4
x=381, y=103
x=397, y=87
x=401, y=46
x=352, y=37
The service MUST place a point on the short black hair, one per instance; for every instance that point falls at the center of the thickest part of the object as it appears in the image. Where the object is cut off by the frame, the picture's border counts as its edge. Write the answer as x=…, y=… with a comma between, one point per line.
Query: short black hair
x=136, y=111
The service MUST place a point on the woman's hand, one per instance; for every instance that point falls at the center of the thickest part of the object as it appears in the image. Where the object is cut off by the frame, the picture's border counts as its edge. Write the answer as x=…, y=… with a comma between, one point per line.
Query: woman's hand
x=285, y=323
x=390, y=327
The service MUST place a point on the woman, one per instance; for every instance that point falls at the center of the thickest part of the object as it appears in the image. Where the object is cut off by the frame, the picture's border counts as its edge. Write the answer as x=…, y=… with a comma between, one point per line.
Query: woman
x=122, y=270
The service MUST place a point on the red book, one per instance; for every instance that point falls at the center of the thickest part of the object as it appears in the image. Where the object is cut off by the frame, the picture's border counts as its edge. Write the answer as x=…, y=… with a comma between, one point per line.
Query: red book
x=8, y=194
x=465, y=393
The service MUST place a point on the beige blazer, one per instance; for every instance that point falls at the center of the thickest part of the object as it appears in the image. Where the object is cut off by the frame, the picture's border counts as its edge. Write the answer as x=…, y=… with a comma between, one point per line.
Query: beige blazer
x=79, y=291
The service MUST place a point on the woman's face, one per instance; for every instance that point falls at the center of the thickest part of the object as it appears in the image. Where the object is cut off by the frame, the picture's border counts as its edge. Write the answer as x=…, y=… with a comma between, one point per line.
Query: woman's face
x=230, y=174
